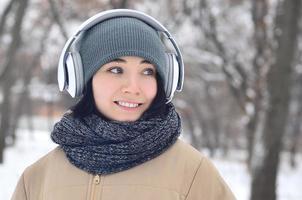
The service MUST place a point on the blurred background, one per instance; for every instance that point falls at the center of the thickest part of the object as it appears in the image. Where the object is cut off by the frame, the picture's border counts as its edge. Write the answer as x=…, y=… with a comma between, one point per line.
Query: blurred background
x=242, y=99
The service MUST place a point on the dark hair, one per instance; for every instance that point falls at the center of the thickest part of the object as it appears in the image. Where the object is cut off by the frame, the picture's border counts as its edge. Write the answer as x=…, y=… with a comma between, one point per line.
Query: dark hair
x=86, y=105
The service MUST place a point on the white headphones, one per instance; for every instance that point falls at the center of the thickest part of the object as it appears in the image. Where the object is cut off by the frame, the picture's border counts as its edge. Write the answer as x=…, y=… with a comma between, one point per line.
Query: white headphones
x=70, y=69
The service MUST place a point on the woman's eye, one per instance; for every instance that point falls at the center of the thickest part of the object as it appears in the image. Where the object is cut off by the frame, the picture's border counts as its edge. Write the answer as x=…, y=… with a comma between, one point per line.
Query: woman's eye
x=115, y=70
x=149, y=71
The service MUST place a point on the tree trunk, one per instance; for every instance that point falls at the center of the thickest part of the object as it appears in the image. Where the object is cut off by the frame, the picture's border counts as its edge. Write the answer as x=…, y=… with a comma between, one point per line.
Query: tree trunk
x=188, y=115
x=192, y=111
x=214, y=133
x=5, y=117
x=296, y=126
x=6, y=78
x=295, y=139
x=260, y=63
x=279, y=76
x=204, y=138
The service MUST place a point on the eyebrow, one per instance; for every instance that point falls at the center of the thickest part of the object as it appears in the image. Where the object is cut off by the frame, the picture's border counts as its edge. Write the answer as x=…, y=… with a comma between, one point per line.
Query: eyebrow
x=124, y=61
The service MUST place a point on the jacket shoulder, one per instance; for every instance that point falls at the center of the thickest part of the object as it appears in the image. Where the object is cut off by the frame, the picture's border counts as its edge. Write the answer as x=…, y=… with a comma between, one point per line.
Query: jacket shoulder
x=34, y=175
x=208, y=184
x=179, y=165
x=41, y=164
x=204, y=180
x=185, y=149
x=186, y=156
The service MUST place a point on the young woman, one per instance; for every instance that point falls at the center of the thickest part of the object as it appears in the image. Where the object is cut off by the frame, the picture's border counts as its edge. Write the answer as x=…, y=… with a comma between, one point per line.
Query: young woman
x=120, y=141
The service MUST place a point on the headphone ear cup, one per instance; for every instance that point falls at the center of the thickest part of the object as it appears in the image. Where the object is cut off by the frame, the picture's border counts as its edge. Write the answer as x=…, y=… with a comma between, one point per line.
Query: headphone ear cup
x=168, y=77
x=74, y=74
x=79, y=74
x=62, y=75
x=70, y=75
x=175, y=76
x=172, y=76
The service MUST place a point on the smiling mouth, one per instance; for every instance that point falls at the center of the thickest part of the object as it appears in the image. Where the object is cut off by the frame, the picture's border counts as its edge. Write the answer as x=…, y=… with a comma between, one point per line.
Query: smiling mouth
x=127, y=104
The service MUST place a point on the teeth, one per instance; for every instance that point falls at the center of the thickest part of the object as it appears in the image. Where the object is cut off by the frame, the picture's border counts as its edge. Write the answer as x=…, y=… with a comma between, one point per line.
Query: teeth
x=129, y=105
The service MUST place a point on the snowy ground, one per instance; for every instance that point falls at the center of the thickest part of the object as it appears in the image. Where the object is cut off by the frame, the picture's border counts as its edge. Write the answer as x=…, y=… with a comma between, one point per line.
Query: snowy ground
x=31, y=146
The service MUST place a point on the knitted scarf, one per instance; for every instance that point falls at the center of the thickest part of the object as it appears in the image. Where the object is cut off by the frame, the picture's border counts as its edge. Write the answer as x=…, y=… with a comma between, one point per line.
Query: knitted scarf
x=101, y=146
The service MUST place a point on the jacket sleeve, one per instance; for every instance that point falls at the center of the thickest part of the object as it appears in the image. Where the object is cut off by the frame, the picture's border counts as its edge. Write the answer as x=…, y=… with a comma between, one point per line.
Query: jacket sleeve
x=20, y=191
x=208, y=184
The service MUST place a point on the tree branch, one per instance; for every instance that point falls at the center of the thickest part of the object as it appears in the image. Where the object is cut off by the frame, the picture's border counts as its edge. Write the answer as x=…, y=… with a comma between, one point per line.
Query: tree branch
x=22, y=4
x=57, y=18
x=4, y=16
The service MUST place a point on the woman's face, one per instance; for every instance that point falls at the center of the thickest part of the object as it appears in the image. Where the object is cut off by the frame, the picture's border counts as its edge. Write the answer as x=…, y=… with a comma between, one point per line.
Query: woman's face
x=124, y=88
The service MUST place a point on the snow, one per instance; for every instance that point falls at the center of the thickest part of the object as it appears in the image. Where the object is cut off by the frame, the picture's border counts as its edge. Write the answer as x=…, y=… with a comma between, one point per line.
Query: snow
x=29, y=147
x=33, y=145
x=3, y=4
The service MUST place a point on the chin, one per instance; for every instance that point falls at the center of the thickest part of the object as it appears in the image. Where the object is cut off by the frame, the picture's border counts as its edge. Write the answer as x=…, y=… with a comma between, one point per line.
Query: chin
x=127, y=118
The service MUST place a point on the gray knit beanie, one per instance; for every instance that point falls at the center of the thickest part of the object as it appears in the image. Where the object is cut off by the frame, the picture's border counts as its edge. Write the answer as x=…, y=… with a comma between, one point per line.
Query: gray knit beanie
x=117, y=37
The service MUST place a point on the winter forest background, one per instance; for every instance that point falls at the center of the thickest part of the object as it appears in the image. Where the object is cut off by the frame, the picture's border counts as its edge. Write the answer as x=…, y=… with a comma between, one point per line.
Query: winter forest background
x=242, y=97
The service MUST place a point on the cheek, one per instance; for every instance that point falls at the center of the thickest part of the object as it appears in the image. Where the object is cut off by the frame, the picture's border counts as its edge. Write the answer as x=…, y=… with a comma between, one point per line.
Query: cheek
x=100, y=89
x=150, y=88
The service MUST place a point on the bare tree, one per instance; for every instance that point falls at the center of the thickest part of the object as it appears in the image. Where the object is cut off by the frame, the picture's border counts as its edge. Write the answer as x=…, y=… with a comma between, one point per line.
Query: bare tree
x=6, y=78
x=295, y=124
x=4, y=15
x=261, y=63
x=23, y=99
x=211, y=118
x=295, y=117
x=57, y=17
x=279, y=76
x=236, y=76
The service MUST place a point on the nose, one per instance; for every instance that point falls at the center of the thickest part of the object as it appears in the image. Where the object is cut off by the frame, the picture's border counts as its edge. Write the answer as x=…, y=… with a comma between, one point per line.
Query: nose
x=131, y=85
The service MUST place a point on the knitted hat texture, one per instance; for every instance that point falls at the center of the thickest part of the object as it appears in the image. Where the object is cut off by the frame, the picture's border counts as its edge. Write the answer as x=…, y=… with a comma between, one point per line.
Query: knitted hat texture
x=117, y=37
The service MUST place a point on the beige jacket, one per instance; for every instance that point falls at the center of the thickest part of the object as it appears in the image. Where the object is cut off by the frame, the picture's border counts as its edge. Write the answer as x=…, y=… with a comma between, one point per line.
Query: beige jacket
x=179, y=173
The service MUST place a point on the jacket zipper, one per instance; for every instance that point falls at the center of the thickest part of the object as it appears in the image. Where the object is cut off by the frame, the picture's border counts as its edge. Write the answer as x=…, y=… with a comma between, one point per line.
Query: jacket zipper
x=95, y=182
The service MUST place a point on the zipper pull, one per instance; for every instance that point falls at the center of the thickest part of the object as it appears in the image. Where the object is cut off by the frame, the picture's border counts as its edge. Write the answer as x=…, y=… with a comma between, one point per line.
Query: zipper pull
x=96, y=179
